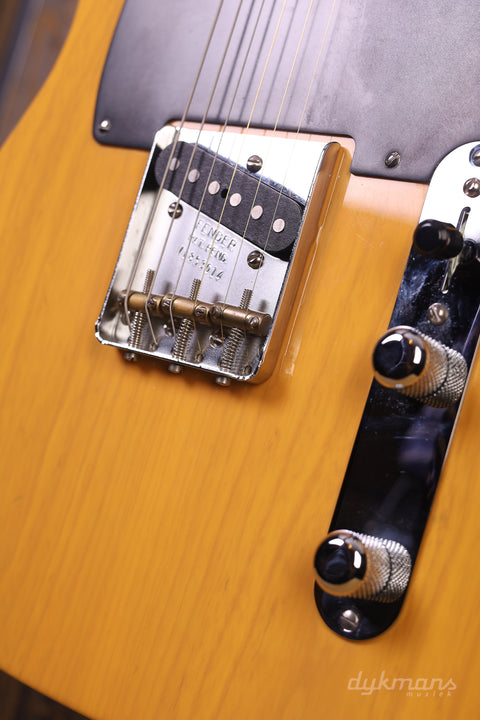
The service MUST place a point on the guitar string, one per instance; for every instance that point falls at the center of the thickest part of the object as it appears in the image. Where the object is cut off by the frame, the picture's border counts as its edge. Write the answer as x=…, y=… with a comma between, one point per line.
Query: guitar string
x=244, y=135
x=151, y=217
x=274, y=131
x=297, y=133
x=212, y=166
x=185, y=177
x=299, y=126
x=246, y=132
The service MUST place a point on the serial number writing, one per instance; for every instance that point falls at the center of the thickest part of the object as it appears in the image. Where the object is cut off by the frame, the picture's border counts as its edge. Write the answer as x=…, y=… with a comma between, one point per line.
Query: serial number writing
x=201, y=263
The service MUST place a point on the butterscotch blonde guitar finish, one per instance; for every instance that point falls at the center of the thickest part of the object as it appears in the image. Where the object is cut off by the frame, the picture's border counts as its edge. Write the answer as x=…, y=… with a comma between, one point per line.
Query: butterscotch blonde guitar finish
x=157, y=532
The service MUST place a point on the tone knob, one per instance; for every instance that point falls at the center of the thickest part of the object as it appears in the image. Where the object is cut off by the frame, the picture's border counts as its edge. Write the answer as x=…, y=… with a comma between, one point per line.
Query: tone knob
x=437, y=240
x=420, y=367
x=351, y=564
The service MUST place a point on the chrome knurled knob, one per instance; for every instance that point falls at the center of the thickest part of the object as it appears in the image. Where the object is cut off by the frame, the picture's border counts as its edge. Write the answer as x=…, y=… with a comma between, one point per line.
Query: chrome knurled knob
x=351, y=564
x=420, y=367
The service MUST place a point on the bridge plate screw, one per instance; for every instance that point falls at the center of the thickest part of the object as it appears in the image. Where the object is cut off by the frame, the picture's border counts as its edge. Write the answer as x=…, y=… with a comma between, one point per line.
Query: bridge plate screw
x=437, y=314
x=254, y=163
x=392, y=159
x=471, y=187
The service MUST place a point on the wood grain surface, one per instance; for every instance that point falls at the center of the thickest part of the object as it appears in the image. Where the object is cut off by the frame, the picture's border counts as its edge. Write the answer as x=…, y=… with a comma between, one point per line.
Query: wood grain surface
x=157, y=532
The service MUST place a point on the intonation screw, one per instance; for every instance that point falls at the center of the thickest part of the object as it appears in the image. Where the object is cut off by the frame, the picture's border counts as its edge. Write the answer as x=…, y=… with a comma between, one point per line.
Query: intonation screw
x=392, y=159
x=471, y=187
x=254, y=163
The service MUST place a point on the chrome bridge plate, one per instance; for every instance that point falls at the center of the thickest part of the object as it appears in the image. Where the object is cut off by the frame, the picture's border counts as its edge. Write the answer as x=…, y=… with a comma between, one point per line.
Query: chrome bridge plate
x=401, y=445
x=214, y=251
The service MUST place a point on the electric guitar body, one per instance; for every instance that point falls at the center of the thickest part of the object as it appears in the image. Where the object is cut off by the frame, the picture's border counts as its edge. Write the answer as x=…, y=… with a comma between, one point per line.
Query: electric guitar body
x=157, y=531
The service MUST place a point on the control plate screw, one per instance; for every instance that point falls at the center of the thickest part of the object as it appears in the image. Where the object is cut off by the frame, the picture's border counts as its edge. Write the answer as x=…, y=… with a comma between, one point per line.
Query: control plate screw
x=475, y=156
x=349, y=621
x=471, y=187
x=437, y=314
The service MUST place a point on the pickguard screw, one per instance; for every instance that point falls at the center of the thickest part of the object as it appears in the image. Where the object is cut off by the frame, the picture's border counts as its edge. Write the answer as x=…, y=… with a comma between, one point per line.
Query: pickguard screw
x=475, y=156
x=392, y=159
x=254, y=163
x=255, y=259
x=105, y=126
x=437, y=314
x=471, y=187
x=175, y=210
x=349, y=621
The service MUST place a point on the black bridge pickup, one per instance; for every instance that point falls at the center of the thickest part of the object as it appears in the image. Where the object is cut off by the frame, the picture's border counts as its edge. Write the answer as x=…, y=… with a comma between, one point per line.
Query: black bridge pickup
x=241, y=201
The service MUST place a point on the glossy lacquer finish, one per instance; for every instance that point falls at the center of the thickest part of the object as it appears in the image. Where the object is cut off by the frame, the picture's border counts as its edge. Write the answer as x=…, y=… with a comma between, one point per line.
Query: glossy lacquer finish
x=157, y=532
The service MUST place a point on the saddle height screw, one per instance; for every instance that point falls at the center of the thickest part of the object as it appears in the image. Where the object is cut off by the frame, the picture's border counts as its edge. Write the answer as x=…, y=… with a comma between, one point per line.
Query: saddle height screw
x=183, y=335
x=138, y=322
x=232, y=343
x=392, y=159
x=254, y=164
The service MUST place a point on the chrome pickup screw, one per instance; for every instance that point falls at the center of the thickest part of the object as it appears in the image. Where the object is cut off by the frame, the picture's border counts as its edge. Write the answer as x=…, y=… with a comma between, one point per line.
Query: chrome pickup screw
x=420, y=367
x=350, y=564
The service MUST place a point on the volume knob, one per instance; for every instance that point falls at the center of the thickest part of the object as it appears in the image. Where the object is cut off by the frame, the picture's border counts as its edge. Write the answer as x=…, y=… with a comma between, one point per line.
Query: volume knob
x=420, y=367
x=350, y=564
